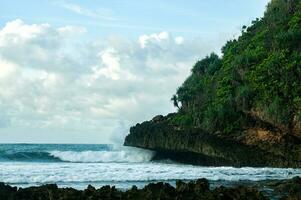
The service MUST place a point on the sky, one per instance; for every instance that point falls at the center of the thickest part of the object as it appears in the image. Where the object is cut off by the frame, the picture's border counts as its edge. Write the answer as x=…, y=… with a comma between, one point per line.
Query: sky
x=85, y=71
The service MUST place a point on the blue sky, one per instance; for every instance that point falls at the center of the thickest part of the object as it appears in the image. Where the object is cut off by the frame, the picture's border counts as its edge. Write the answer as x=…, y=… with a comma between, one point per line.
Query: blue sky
x=84, y=71
x=132, y=18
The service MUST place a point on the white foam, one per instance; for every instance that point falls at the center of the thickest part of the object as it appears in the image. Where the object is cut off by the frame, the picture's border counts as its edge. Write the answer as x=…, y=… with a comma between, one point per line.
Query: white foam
x=117, y=155
x=113, y=173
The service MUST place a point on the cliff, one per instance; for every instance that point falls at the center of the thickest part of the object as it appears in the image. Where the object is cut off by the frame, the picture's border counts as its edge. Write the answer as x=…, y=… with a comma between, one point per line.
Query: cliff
x=243, y=108
x=196, y=146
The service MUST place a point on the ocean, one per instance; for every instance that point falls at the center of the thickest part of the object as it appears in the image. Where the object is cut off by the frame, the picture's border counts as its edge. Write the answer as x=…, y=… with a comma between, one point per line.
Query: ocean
x=78, y=165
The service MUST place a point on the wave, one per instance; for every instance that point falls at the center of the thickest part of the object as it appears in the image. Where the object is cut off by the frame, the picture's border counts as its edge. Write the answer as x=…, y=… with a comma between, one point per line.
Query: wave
x=28, y=156
x=119, y=155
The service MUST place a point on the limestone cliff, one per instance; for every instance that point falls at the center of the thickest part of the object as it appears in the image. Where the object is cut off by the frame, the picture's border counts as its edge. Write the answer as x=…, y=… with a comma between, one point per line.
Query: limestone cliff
x=192, y=145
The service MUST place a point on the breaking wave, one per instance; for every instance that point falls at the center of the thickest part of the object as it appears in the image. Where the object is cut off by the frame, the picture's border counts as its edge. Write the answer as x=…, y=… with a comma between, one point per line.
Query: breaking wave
x=121, y=155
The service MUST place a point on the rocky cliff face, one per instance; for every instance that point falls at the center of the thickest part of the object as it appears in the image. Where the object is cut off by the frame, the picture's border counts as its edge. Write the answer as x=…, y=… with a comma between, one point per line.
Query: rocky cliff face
x=240, y=109
x=252, y=147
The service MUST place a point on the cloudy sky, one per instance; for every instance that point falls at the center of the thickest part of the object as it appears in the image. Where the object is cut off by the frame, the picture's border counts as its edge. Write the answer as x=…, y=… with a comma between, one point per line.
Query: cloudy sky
x=84, y=71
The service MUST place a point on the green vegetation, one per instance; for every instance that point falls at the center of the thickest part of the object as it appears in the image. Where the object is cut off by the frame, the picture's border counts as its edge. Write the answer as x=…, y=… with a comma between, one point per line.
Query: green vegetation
x=258, y=76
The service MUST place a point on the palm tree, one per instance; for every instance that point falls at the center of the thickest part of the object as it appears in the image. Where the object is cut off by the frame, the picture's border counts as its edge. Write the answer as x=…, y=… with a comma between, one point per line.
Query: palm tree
x=174, y=99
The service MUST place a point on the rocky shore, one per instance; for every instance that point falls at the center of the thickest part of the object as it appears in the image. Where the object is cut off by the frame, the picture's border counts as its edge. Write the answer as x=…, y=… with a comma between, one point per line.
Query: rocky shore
x=199, y=189
x=254, y=147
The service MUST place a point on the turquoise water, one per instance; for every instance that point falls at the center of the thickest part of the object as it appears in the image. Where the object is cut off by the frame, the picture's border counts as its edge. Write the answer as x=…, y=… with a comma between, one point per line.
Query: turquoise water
x=48, y=152
x=77, y=165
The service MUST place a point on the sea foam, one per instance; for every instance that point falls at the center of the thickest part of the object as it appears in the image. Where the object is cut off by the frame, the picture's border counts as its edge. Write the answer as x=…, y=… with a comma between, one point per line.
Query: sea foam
x=127, y=174
x=74, y=165
x=120, y=155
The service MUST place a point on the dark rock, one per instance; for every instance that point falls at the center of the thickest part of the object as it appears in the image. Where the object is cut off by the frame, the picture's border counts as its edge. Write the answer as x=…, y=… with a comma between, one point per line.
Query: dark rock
x=196, y=146
x=291, y=188
x=201, y=185
x=239, y=193
x=6, y=191
x=199, y=189
x=159, y=191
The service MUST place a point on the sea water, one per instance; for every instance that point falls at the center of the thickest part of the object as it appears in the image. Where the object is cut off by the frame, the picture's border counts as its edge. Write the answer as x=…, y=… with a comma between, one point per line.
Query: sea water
x=77, y=165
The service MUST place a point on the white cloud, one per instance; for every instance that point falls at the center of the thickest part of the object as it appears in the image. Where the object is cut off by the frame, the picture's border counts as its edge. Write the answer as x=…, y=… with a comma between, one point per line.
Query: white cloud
x=105, y=14
x=179, y=40
x=111, y=61
x=70, y=30
x=47, y=83
x=17, y=32
x=145, y=39
x=7, y=69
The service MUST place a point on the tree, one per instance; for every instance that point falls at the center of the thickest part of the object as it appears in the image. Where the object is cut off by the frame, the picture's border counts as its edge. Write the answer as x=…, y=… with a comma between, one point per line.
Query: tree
x=174, y=99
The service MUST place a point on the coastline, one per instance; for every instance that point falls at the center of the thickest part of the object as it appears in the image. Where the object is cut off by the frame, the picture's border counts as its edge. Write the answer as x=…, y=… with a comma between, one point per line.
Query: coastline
x=195, y=146
x=198, y=189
